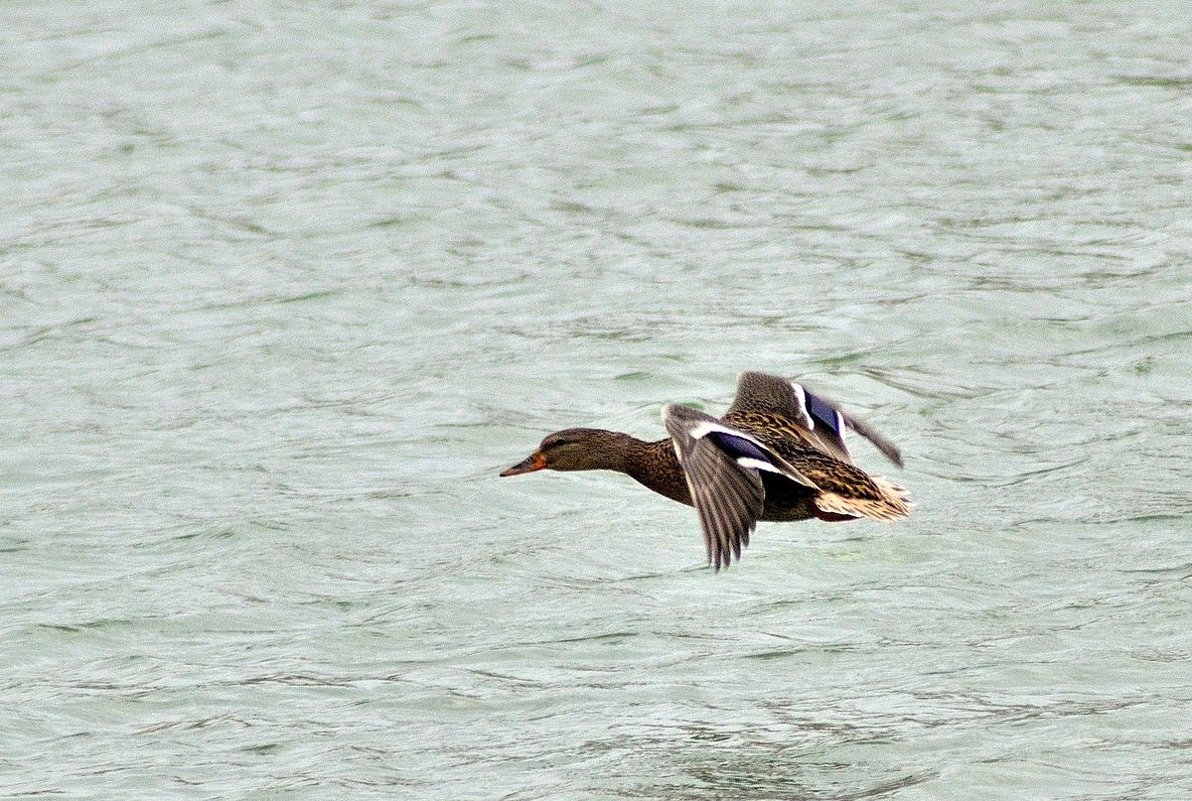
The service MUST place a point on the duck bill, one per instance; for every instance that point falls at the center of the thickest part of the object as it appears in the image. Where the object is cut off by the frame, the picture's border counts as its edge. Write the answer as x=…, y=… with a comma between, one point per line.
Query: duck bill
x=535, y=461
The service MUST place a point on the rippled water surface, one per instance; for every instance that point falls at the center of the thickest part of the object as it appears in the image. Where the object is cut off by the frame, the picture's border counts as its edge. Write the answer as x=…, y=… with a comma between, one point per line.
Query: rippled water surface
x=284, y=286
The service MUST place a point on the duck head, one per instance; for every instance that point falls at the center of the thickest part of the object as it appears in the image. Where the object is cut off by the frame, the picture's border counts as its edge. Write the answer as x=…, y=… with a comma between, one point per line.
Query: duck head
x=575, y=449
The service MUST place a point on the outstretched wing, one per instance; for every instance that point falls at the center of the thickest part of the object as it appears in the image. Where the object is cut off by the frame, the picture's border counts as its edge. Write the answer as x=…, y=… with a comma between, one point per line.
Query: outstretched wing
x=818, y=420
x=721, y=466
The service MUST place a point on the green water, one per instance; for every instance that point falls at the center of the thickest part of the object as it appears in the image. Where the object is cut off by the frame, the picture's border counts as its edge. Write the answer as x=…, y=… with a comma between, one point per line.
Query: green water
x=283, y=287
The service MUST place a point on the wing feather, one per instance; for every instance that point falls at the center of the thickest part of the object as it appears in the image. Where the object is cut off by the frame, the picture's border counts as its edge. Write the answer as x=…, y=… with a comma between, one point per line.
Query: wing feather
x=819, y=420
x=721, y=467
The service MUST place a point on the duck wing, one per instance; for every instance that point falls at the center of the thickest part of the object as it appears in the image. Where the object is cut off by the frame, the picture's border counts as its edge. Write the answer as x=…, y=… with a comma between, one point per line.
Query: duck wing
x=721, y=464
x=815, y=419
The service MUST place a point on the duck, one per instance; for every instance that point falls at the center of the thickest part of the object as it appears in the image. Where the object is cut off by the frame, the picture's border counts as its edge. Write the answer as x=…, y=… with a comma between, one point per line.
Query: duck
x=778, y=454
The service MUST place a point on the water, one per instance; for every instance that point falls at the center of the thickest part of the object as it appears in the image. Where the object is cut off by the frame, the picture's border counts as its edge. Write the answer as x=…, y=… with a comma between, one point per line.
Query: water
x=284, y=287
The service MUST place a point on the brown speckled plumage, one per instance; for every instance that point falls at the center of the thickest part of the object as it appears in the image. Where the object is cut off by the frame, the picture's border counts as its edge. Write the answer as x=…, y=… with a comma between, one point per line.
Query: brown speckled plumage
x=778, y=454
x=790, y=443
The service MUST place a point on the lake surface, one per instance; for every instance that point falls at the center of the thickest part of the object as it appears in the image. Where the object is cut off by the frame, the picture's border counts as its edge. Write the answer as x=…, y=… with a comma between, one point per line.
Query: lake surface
x=284, y=286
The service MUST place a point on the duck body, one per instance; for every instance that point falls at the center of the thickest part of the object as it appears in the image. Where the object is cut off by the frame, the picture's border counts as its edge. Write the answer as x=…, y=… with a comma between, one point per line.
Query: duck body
x=655, y=465
x=777, y=455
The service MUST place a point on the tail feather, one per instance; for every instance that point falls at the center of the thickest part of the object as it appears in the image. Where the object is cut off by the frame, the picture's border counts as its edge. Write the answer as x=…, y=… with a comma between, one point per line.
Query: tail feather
x=893, y=502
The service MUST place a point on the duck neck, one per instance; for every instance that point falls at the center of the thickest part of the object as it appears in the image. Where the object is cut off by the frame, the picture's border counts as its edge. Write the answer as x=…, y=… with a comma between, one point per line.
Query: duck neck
x=654, y=465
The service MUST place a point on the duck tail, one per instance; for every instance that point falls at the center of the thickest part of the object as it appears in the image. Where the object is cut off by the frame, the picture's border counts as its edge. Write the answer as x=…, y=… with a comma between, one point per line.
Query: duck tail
x=890, y=502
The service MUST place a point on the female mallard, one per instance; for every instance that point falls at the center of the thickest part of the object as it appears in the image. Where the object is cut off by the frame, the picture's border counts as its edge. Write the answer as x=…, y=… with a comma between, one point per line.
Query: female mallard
x=777, y=454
